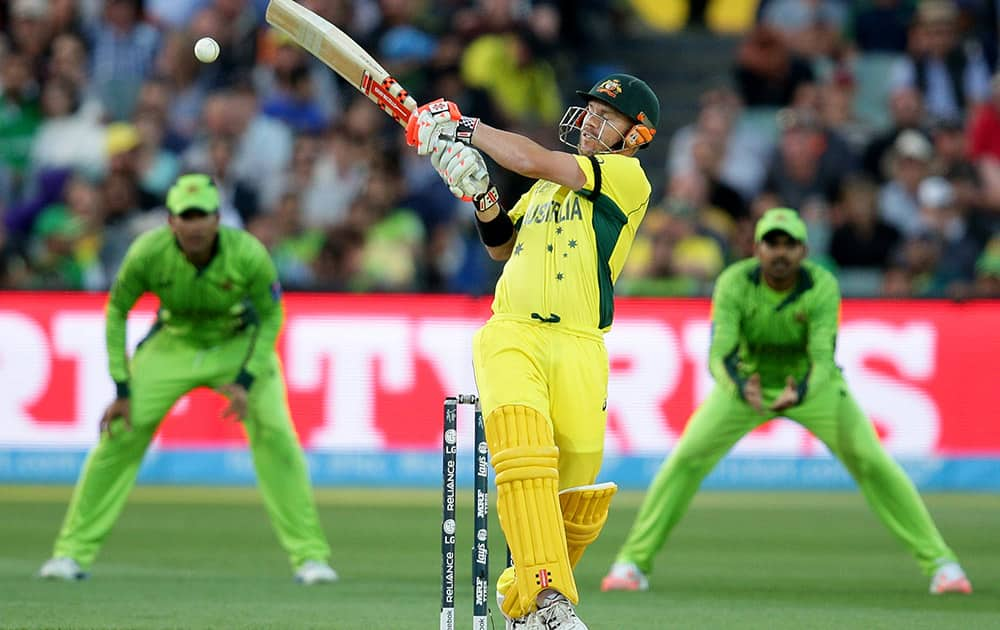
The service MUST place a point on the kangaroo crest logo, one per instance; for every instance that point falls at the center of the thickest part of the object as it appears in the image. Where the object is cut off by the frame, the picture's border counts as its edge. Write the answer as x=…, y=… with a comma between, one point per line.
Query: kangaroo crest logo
x=611, y=87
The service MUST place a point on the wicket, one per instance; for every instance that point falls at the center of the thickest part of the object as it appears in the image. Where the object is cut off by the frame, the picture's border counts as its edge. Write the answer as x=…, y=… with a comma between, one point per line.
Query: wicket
x=480, y=546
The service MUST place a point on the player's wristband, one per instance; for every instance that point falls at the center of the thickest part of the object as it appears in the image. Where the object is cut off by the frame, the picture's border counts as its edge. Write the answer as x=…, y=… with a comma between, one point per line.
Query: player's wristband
x=466, y=127
x=122, y=389
x=496, y=232
x=244, y=379
x=487, y=200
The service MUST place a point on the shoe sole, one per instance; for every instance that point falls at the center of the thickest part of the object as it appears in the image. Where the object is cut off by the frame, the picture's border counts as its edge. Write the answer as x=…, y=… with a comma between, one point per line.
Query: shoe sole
x=615, y=584
x=960, y=587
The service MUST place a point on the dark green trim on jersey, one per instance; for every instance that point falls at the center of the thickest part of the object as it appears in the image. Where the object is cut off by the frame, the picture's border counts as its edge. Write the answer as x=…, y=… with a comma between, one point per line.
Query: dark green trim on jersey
x=596, y=192
x=122, y=389
x=249, y=318
x=732, y=362
x=803, y=387
x=804, y=283
x=517, y=224
x=608, y=221
x=157, y=325
x=551, y=319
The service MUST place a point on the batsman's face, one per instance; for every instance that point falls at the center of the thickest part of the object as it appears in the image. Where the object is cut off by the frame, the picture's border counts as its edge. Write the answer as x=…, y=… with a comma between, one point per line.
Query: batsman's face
x=195, y=230
x=780, y=256
x=603, y=128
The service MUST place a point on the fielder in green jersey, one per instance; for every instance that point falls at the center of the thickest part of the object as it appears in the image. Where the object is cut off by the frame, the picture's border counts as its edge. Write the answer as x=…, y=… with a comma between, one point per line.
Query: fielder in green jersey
x=774, y=329
x=220, y=313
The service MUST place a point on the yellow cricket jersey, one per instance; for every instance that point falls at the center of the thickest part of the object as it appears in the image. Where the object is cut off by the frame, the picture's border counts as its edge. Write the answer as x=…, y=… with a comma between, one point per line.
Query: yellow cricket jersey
x=571, y=245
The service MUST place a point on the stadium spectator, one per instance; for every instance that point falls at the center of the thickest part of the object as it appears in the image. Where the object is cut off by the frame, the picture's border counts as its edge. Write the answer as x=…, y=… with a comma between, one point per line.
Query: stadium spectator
x=745, y=150
x=951, y=74
x=767, y=72
x=653, y=268
x=124, y=51
x=909, y=165
x=943, y=222
x=338, y=265
x=69, y=136
x=394, y=256
x=521, y=84
x=836, y=110
x=810, y=161
x=881, y=26
x=181, y=86
x=906, y=112
x=293, y=246
x=20, y=118
x=988, y=271
x=811, y=28
x=864, y=240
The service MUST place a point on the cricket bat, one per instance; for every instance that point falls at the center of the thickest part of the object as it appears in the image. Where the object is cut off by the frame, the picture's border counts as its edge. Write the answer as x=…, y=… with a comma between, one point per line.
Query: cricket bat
x=343, y=55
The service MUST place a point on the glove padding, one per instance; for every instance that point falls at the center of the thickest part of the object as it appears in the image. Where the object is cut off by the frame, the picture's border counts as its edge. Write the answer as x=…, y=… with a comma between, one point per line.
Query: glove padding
x=438, y=120
x=462, y=168
x=429, y=122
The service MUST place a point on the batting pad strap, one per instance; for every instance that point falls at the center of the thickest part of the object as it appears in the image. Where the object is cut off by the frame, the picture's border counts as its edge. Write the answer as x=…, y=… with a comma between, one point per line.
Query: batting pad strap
x=526, y=461
x=585, y=511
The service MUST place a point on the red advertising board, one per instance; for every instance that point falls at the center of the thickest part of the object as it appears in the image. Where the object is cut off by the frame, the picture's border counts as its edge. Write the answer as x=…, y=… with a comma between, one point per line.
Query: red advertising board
x=368, y=373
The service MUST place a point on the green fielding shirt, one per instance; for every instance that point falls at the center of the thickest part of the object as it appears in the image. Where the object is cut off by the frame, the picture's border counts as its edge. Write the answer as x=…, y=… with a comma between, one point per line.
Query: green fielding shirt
x=237, y=291
x=757, y=329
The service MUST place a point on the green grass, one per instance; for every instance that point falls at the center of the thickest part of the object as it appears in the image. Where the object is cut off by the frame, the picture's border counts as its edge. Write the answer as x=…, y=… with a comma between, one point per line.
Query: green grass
x=206, y=558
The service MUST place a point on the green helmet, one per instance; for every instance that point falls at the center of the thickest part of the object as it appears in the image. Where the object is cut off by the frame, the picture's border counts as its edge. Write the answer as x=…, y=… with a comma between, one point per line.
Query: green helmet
x=629, y=95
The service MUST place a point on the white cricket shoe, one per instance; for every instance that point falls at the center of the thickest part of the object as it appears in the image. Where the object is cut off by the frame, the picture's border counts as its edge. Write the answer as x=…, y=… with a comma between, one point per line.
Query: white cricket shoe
x=315, y=572
x=950, y=578
x=521, y=623
x=555, y=613
x=625, y=576
x=65, y=569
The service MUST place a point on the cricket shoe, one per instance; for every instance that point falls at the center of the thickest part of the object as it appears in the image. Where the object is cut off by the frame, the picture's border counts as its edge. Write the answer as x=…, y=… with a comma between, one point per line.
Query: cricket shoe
x=555, y=613
x=510, y=623
x=315, y=572
x=65, y=569
x=950, y=578
x=624, y=576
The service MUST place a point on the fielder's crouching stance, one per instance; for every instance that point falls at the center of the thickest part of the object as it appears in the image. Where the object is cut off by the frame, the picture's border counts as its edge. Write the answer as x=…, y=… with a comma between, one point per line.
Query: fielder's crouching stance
x=540, y=362
x=220, y=313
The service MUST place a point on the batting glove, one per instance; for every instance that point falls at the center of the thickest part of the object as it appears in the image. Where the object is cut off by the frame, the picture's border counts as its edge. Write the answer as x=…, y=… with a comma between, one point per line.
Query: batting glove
x=462, y=168
x=438, y=120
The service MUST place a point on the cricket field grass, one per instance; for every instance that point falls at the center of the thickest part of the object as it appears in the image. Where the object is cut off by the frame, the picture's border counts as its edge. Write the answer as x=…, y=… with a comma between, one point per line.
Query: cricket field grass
x=207, y=558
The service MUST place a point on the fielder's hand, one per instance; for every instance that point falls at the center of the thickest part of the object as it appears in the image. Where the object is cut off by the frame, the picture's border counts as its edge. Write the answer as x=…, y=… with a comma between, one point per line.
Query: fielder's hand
x=462, y=168
x=120, y=408
x=752, y=393
x=237, y=395
x=435, y=121
x=789, y=397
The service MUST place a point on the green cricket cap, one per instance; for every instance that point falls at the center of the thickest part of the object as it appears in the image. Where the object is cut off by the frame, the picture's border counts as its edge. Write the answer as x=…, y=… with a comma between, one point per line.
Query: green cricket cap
x=193, y=192
x=629, y=95
x=784, y=220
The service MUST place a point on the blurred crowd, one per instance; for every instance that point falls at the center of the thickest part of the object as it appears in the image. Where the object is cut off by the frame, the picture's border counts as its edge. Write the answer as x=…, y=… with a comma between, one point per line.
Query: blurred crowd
x=879, y=120
x=103, y=104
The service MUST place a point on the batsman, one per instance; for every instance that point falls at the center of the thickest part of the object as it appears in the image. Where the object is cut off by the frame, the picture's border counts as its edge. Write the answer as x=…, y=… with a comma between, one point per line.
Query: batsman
x=219, y=316
x=540, y=361
x=774, y=328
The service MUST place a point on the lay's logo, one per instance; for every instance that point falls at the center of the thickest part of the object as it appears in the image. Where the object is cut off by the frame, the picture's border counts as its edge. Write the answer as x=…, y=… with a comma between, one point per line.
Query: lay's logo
x=611, y=87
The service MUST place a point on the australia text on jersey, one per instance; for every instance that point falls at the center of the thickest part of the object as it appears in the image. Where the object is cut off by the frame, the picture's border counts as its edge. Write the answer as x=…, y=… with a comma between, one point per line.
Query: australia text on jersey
x=554, y=211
